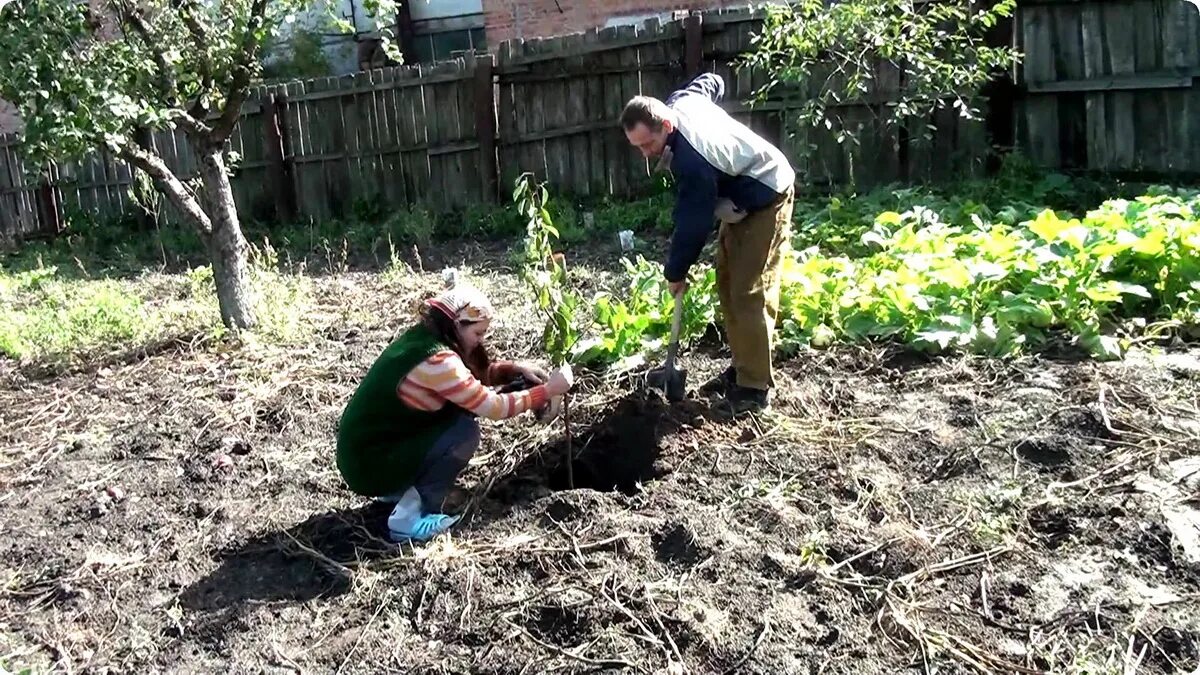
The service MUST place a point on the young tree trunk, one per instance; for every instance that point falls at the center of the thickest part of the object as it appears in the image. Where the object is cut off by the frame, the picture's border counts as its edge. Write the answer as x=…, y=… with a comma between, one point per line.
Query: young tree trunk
x=226, y=245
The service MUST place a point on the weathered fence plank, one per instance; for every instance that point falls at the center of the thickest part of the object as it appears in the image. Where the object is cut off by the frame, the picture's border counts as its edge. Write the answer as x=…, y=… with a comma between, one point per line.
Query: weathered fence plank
x=451, y=134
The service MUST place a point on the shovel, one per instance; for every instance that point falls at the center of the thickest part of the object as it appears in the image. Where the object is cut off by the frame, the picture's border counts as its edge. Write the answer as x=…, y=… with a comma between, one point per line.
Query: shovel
x=672, y=379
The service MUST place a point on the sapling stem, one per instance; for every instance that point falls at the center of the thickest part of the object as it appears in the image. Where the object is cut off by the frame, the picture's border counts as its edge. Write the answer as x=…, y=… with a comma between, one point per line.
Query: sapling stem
x=567, y=432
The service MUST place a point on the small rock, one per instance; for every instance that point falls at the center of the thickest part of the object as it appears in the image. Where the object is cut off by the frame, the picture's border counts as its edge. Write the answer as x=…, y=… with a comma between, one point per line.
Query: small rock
x=1046, y=381
x=116, y=492
x=223, y=462
x=698, y=421
x=101, y=506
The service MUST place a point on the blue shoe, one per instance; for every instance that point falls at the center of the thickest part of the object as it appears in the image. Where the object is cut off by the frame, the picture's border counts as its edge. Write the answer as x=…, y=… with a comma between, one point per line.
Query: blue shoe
x=424, y=528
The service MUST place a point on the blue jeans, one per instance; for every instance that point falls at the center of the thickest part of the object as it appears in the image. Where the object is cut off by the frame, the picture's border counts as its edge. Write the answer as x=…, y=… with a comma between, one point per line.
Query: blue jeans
x=445, y=460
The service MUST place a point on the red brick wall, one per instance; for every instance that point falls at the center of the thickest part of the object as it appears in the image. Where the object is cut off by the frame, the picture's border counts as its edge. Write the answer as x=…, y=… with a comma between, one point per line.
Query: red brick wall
x=508, y=19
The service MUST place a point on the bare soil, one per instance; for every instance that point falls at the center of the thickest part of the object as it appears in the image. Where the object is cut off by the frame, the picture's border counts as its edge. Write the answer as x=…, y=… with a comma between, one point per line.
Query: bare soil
x=180, y=511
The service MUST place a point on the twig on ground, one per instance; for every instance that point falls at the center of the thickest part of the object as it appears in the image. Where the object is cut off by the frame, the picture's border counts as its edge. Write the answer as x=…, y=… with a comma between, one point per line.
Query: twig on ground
x=601, y=663
x=284, y=659
x=615, y=602
x=331, y=564
x=862, y=554
x=657, y=614
x=574, y=542
x=762, y=635
x=387, y=600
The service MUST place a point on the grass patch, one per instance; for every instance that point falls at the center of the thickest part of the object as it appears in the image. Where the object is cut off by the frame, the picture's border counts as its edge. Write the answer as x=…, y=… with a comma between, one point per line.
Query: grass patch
x=53, y=318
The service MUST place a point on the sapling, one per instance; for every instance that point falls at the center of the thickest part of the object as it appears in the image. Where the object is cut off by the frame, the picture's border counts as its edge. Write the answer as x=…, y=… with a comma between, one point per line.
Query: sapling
x=545, y=272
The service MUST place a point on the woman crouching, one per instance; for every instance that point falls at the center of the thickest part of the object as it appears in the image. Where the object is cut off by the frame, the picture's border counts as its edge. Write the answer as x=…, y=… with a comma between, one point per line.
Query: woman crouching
x=411, y=426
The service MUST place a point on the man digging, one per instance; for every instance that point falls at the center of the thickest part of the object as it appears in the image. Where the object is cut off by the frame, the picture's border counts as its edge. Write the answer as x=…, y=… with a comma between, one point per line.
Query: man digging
x=723, y=171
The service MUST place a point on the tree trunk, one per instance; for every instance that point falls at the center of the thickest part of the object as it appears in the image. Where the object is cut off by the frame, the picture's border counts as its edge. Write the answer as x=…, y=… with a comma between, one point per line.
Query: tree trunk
x=226, y=245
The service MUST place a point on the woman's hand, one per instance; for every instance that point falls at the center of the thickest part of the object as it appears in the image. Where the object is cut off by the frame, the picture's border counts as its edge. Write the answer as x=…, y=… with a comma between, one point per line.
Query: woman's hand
x=560, y=381
x=533, y=374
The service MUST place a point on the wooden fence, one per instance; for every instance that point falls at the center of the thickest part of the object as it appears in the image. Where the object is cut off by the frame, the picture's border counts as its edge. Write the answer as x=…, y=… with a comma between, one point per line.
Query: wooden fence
x=456, y=133
x=1109, y=85
x=1105, y=84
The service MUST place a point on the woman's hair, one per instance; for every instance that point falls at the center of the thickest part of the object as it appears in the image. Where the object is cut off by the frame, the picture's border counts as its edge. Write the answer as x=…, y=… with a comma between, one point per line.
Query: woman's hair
x=445, y=329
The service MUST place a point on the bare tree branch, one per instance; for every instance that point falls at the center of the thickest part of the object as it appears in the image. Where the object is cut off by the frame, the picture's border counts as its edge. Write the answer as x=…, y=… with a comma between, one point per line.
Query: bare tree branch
x=176, y=191
x=242, y=72
x=191, y=124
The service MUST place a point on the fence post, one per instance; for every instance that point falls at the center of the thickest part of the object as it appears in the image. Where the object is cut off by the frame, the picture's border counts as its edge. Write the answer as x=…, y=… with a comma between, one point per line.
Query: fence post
x=144, y=140
x=485, y=127
x=49, y=214
x=693, y=44
x=275, y=145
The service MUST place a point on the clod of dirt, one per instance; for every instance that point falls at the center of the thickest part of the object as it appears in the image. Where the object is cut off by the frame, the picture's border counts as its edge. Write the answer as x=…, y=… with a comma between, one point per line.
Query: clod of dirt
x=137, y=445
x=235, y=446
x=676, y=546
x=115, y=492
x=1178, y=644
x=560, y=511
x=786, y=568
x=273, y=418
x=1045, y=452
x=562, y=626
x=223, y=462
x=1052, y=525
x=101, y=506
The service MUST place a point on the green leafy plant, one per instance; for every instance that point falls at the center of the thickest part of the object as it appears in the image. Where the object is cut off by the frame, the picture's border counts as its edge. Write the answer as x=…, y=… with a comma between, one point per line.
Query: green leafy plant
x=999, y=288
x=545, y=271
x=825, y=55
x=636, y=320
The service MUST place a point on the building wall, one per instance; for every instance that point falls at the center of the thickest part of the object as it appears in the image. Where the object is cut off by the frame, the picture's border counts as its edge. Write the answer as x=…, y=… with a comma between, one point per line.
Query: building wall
x=508, y=19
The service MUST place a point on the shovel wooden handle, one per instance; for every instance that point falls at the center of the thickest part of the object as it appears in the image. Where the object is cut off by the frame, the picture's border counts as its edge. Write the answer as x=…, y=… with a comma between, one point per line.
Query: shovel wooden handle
x=676, y=319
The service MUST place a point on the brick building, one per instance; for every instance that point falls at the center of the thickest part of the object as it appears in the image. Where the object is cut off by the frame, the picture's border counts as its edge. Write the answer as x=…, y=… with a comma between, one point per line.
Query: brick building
x=508, y=19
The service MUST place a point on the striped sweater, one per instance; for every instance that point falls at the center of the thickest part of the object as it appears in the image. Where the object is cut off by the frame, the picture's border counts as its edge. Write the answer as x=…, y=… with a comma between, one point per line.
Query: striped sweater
x=444, y=378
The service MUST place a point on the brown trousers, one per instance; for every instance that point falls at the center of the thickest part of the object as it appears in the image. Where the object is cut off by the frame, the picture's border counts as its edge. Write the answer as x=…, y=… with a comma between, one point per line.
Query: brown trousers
x=749, y=270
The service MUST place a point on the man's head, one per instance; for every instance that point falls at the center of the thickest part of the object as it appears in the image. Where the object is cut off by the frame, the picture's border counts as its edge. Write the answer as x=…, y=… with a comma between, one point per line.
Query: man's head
x=647, y=122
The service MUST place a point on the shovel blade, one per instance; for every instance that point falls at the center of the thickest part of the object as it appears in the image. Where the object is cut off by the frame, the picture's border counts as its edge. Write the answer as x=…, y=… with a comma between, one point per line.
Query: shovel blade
x=673, y=382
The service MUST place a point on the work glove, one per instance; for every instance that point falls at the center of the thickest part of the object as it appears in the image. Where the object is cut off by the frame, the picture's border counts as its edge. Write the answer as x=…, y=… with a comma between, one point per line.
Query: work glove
x=549, y=412
x=561, y=381
x=664, y=160
x=728, y=212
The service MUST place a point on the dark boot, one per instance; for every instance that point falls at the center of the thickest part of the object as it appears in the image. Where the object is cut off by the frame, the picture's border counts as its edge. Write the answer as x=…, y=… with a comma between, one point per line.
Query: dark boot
x=739, y=399
x=720, y=384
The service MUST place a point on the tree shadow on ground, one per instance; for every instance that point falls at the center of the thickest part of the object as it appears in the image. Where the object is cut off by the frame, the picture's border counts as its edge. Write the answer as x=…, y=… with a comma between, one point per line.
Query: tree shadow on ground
x=309, y=560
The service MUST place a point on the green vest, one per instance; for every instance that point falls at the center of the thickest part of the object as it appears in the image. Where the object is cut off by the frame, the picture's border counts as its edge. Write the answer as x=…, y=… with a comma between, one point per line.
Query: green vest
x=381, y=441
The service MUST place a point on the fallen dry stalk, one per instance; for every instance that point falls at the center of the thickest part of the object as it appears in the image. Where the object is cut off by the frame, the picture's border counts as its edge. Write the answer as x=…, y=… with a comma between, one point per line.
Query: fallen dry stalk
x=599, y=663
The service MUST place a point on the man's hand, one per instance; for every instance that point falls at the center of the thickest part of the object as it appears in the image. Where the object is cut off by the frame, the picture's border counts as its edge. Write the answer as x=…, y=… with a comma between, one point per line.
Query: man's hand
x=532, y=374
x=677, y=287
